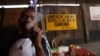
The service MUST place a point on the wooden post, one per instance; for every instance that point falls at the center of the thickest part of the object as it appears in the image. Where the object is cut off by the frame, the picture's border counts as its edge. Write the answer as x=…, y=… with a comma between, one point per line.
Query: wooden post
x=84, y=8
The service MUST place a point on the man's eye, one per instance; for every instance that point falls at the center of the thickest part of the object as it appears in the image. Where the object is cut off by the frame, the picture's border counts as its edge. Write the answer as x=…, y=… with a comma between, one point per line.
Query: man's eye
x=32, y=17
x=24, y=16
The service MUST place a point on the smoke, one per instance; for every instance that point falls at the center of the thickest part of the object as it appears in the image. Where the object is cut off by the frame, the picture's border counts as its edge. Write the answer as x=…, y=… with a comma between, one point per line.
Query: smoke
x=39, y=16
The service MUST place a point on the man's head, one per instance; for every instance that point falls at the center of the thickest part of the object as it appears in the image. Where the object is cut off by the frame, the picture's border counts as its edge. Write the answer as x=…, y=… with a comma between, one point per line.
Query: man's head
x=28, y=19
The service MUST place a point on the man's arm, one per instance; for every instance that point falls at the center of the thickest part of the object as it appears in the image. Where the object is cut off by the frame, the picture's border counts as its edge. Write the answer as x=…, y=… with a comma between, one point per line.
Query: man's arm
x=37, y=42
x=39, y=50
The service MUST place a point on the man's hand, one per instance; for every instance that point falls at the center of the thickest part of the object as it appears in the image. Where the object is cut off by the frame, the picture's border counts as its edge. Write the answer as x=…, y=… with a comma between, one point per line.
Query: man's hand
x=37, y=41
x=38, y=33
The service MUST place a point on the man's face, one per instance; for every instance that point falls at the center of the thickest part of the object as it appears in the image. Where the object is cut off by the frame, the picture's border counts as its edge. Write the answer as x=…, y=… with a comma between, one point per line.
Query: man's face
x=29, y=20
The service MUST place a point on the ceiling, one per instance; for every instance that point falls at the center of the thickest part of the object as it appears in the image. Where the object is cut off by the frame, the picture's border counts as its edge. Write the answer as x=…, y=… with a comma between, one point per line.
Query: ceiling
x=8, y=2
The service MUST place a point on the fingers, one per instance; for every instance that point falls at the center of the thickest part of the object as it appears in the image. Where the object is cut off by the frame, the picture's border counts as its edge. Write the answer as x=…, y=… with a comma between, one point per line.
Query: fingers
x=36, y=33
x=37, y=40
x=38, y=30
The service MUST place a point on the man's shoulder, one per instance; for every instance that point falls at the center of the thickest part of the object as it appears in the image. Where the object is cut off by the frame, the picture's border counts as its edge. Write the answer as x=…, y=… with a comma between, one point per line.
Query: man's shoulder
x=44, y=37
x=23, y=41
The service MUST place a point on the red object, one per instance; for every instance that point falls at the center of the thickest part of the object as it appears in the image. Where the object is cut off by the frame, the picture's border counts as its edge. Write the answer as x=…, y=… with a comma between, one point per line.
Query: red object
x=84, y=52
x=80, y=52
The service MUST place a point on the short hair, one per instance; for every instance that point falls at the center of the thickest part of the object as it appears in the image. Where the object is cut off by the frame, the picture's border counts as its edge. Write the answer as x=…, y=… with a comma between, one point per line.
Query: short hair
x=26, y=9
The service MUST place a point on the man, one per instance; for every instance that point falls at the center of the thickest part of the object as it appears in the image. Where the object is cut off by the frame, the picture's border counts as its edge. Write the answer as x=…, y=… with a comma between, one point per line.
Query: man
x=30, y=41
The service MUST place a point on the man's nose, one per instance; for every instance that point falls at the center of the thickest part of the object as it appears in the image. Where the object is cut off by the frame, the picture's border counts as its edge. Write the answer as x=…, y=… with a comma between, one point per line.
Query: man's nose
x=29, y=19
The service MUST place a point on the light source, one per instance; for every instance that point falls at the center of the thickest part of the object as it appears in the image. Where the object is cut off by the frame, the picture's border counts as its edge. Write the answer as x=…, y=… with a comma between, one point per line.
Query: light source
x=37, y=5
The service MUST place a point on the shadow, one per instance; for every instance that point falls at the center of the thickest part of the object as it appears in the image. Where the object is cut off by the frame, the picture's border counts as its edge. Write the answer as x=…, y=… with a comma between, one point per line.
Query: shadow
x=5, y=36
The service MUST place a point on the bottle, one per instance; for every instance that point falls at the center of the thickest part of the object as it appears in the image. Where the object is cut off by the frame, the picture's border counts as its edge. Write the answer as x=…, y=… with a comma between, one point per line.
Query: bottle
x=72, y=51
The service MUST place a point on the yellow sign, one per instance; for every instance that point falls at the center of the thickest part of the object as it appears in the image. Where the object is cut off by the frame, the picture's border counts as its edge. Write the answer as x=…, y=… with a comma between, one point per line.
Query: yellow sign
x=61, y=22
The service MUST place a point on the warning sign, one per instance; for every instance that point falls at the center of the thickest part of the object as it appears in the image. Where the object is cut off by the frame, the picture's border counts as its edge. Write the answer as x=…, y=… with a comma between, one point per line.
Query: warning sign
x=61, y=22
